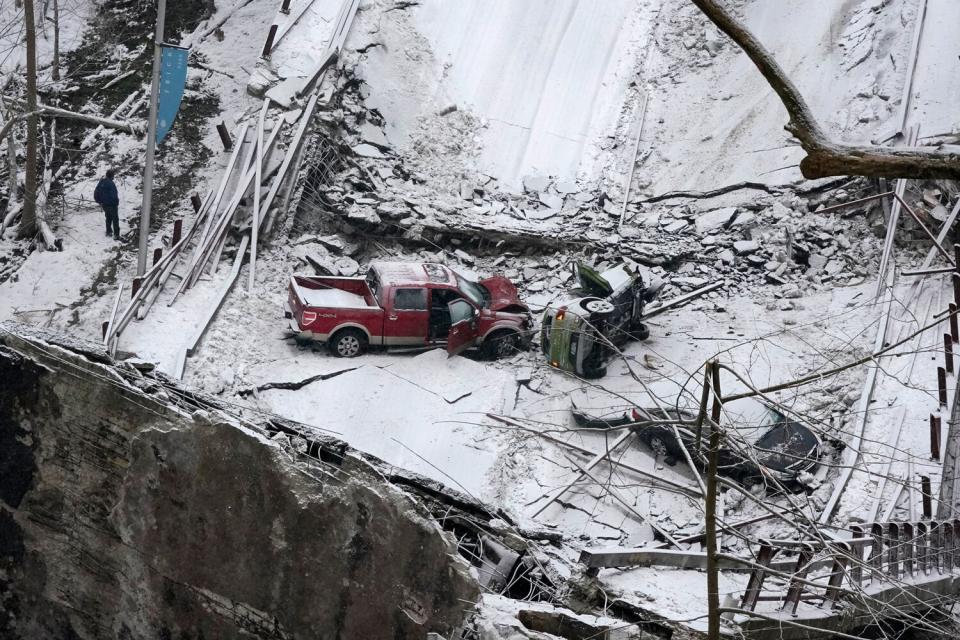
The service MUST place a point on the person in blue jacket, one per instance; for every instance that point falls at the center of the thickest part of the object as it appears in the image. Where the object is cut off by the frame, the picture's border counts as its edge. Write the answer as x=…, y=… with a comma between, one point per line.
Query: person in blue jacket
x=107, y=197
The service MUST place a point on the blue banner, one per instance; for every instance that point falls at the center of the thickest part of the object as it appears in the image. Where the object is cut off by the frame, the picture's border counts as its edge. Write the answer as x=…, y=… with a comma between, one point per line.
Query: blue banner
x=173, y=78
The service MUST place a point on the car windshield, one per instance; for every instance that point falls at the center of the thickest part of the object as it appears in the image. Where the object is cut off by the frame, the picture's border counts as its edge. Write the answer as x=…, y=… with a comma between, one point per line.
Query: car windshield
x=476, y=292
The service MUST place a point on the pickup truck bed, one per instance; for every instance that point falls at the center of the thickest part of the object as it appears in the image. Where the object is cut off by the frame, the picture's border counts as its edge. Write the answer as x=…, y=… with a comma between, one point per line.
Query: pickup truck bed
x=330, y=298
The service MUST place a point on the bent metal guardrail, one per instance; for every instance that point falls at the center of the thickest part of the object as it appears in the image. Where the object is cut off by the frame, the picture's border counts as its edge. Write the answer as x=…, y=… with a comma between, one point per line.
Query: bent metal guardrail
x=877, y=553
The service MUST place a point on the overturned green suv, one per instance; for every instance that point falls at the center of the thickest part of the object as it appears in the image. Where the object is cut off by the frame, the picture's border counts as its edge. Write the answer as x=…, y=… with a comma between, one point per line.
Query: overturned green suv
x=580, y=335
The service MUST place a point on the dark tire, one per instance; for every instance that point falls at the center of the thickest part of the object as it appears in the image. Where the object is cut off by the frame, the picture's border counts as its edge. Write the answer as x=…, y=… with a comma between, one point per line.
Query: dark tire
x=641, y=332
x=348, y=343
x=500, y=344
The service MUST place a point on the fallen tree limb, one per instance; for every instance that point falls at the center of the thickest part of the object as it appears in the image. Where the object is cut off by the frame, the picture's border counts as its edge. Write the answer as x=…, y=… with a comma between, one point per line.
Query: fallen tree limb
x=56, y=112
x=826, y=157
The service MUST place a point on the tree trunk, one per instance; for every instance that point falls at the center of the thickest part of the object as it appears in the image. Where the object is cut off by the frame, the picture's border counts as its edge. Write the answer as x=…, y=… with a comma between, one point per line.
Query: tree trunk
x=28, y=221
x=12, y=164
x=710, y=517
x=55, y=72
x=826, y=157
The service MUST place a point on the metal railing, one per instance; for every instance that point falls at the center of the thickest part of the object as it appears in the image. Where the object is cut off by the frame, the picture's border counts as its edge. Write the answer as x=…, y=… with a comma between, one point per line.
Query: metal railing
x=877, y=553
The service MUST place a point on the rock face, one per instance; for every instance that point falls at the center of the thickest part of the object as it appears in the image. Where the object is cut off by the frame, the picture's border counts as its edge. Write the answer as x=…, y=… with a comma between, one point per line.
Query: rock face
x=122, y=516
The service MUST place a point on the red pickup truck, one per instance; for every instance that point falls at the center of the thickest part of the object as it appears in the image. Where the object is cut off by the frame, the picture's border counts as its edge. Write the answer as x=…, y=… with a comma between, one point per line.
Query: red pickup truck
x=411, y=305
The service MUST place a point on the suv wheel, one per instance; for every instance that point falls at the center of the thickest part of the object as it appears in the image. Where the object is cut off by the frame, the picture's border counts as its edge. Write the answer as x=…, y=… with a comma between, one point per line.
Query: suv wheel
x=597, y=306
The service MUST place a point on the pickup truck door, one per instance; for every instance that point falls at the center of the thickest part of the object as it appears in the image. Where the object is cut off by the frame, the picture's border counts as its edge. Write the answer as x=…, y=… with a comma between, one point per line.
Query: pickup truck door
x=464, y=327
x=406, y=321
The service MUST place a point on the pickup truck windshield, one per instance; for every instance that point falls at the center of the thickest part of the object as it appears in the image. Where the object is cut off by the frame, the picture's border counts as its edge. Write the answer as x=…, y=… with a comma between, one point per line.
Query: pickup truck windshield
x=477, y=293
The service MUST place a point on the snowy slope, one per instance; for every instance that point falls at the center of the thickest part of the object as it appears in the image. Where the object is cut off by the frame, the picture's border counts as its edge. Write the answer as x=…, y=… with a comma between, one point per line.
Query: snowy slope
x=545, y=80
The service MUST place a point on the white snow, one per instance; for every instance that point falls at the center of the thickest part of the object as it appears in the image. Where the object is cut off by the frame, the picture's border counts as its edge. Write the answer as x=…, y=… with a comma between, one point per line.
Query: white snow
x=550, y=88
x=533, y=75
x=331, y=298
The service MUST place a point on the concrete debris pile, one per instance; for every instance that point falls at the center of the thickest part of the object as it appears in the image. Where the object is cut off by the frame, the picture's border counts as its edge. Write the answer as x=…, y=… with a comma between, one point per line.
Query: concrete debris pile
x=776, y=242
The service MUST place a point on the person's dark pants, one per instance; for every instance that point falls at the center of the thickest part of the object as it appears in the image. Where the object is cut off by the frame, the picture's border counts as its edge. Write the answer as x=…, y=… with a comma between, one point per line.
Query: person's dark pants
x=112, y=214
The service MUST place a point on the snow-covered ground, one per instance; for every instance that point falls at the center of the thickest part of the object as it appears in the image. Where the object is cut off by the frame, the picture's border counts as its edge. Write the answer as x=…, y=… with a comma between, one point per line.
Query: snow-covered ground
x=548, y=88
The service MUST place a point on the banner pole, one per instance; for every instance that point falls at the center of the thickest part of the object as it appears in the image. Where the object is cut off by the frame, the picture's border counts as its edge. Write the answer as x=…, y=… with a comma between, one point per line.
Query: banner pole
x=151, y=142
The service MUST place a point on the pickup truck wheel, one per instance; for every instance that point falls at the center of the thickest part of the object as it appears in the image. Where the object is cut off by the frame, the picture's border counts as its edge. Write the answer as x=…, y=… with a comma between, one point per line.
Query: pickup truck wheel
x=500, y=344
x=348, y=343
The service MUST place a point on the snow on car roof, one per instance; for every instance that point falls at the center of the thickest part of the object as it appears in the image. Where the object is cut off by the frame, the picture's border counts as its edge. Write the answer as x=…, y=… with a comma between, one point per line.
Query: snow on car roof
x=401, y=273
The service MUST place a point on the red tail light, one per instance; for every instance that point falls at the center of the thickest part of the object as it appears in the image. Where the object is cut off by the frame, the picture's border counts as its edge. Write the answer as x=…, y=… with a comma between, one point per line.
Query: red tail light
x=307, y=318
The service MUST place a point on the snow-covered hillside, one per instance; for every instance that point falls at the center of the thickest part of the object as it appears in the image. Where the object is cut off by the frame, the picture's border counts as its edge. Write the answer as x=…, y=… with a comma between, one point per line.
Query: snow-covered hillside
x=500, y=136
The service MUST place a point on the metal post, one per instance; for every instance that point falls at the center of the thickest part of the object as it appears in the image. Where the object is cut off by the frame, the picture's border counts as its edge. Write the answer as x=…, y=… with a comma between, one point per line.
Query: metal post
x=954, y=324
x=956, y=256
x=196, y=202
x=927, y=497
x=177, y=231
x=268, y=45
x=908, y=543
x=948, y=352
x=934, y=436
x=956, y=289
x=225, y=137
x=942, y=385
x=923, y=566
x=157, y=254
x=285, y=7
x=893, y=550
x=151, y=142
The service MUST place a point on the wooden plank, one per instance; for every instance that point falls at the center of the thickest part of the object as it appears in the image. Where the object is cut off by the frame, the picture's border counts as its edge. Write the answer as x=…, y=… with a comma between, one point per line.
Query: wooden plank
x=113, y=316
x=911, y=66
x=852, y=452
x=149, y=279
x=898, y=192
x=688, y=489
x=238, y=196
x=605, y=557
x=633, y=159
x=221, y=188
x=219, y=232
x=613, y=493
x=344, y=20
x=292, y=22
x=680, y=300
x=255, y=223
x=295, y=143
x=597, y=459
x=221, y=297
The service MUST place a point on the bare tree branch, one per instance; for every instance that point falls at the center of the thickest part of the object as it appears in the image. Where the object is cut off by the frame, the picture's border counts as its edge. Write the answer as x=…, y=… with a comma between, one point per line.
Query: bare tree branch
x=826, y=157
x=56, y=112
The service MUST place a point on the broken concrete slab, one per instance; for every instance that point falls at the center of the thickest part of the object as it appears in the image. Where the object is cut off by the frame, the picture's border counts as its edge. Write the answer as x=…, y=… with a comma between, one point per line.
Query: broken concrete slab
x=365, y=150
x=535, y=184
x=551, y=201
x=347, y=266
x=743, y=219
x=174, y=545
x=676, y=226
x=745, y=246
x=373, y=134
x=714, y=220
